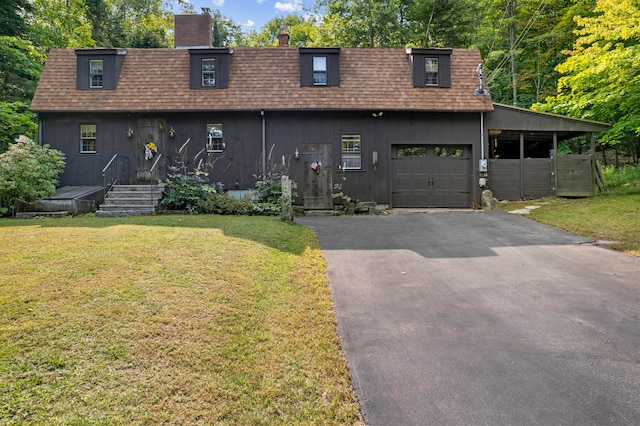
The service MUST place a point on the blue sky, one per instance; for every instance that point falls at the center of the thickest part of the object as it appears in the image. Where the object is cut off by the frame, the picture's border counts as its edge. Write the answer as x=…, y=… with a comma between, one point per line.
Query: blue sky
x=251, y=14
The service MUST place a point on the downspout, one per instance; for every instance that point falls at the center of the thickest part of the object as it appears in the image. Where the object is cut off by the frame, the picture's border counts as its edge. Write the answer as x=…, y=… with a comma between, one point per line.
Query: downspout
x=264, y=146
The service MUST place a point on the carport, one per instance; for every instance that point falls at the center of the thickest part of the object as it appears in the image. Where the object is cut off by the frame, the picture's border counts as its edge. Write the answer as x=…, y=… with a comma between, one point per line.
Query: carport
x=523, y=160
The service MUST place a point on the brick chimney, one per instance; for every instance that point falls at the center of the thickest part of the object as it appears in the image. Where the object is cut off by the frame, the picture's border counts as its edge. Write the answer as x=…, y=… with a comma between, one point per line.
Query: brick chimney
x=193, y=30
x=283, y=37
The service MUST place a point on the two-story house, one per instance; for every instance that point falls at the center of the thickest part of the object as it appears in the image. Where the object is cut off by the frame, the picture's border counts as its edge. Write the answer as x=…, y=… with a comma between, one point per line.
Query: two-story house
x=398, y=127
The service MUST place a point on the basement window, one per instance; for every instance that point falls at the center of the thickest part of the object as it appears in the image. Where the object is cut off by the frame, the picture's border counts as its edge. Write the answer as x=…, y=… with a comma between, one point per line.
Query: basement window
x=351, y=152
x=214, y=141
x=88, y=138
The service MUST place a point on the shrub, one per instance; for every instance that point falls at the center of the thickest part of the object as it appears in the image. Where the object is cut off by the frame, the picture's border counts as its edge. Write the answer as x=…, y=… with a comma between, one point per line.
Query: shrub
x=28, y=172
x=626, y=177
x=225, y=204
x=268, y=193
x=185, y=192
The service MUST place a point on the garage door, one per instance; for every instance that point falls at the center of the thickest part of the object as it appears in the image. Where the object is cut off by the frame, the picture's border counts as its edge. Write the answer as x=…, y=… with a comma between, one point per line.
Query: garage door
x=431, y=176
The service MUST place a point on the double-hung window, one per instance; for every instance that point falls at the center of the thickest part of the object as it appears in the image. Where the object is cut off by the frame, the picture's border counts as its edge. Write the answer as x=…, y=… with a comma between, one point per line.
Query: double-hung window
x=87, y=138
x=319, y=70
x=351, y=152
x=431, y=71
x=214, y=141
x=96, y=71
x=209, y=72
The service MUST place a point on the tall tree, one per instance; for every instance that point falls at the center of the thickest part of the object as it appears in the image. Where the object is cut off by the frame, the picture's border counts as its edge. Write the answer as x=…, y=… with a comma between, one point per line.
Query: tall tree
x=12, y=13
x=225, y=31
x=129, y=23
x=60, y=23
x=442, y=23
x=358, y=23
x=600, y=79
x=302, y=32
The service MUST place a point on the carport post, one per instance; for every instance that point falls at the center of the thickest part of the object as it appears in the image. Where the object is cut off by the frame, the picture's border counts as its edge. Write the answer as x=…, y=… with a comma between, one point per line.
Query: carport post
x=521, y=165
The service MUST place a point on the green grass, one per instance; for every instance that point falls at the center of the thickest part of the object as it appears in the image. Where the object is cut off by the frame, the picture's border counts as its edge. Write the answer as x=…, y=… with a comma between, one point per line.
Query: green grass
x=168, y=319
x=613, y=217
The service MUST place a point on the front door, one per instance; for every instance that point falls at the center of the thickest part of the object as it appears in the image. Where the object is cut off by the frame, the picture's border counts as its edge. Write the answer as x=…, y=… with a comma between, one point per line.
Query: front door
x=317, y=177
x=149, y=146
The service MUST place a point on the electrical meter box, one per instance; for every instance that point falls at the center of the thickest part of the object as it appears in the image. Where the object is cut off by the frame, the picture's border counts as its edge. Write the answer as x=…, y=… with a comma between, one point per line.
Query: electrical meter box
x=482, y=165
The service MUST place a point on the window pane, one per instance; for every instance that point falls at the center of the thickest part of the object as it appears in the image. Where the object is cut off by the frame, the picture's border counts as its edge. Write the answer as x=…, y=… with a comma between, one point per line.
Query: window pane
x=319, y=63
x=214, y=142
x=448, y=151
x=320, y=78
x=412, y=151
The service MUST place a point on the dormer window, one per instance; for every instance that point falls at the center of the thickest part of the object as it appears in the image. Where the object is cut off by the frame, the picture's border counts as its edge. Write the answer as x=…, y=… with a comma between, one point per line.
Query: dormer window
x=319, y=70
x=319, y=66
x=430, y=67
x=431, y=71
x=96, y=69
x=209, y=72
x=209, y=68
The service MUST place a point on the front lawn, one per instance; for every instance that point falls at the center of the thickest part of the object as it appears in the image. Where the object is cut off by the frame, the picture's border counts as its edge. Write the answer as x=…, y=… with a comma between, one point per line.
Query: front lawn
x=611, y=217
x=168, y=319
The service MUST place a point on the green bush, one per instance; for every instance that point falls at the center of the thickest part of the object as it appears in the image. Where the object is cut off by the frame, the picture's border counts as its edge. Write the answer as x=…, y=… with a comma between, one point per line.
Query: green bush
x=621, y=178
x=268, y=193
x=225, y=204
x=28, y=172
x=186, y=192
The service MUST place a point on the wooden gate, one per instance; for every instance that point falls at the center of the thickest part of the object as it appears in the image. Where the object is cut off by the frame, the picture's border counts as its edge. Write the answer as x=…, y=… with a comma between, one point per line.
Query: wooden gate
x=575, y=176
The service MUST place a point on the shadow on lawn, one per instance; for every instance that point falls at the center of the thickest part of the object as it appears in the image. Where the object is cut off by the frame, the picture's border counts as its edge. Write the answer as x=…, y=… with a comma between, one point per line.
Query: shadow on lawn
x=266, y=230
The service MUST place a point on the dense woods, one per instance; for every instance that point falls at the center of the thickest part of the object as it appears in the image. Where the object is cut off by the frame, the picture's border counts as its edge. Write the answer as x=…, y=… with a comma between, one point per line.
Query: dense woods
x=573, y=57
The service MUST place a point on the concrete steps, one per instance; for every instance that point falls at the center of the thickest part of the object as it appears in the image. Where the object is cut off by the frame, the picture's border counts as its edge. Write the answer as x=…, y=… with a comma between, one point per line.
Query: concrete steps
x=131, y=200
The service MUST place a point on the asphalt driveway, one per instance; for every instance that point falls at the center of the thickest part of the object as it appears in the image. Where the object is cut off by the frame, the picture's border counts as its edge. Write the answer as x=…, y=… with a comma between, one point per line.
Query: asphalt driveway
x=470, y=318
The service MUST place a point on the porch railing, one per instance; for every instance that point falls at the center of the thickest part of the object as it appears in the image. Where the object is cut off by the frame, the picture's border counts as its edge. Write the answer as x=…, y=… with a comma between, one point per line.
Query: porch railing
x=154, y=170
x=116, y=171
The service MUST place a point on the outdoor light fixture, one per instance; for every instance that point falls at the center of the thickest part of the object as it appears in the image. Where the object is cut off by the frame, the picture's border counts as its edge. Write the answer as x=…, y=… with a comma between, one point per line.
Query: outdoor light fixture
x=297, y=154
x=172, y=132
x=129, y=132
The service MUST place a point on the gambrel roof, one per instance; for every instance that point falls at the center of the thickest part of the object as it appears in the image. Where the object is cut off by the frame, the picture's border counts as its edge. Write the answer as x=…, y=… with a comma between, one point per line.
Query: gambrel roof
x=157, y=80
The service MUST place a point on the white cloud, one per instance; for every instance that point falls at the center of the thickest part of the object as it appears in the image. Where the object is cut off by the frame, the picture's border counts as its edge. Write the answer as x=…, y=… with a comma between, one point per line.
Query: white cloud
x=218, y=3
x=249, y=23
x=259, y=1
x=289, y=6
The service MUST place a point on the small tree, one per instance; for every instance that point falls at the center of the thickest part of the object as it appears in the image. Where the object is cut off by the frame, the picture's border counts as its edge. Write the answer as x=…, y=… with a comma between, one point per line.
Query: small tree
x=28, y=172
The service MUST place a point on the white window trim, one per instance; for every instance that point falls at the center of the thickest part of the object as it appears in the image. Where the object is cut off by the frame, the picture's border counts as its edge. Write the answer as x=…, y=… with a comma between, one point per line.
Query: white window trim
x=320, y=67
x=95, y=140
x=436, y=72
x=101, y=74
x=354, y=155
x=209, y=73
x=215, y=141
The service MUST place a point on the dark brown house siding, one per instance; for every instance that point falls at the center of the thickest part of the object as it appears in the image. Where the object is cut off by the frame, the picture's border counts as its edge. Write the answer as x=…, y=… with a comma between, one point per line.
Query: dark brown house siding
x=285, y=132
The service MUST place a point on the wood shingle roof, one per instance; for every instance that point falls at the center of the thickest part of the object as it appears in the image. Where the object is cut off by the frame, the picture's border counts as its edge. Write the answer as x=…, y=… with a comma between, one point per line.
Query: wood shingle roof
x=260, y=79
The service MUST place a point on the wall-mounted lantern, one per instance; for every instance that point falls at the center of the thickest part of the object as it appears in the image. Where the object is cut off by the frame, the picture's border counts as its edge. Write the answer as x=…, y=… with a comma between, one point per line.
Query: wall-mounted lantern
x=129, y=132
x=172, y=132
x=296, y=154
